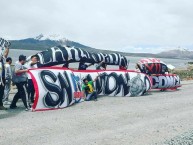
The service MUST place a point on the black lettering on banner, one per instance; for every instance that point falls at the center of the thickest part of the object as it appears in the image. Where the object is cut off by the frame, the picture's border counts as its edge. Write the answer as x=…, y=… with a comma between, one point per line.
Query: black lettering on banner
x=108, y=83
x=64, y=53
x=66, y=87
x=155, y=82
x=120, y=82
x=60, y=92
x=51, y=87
x=170, y=81
x=160, y=82
x=177, y=80
x=147, y=84
x=47, y=56
x=100, y=87
x=58, y=54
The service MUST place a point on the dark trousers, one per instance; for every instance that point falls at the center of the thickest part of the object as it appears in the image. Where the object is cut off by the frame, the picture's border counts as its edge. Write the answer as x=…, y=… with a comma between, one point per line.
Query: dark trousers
x=2, y=88
x=20, y=94
x=31, y=90
x=91, y=96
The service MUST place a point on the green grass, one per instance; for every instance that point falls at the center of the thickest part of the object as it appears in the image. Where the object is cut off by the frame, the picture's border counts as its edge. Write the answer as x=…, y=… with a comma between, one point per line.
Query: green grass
x=184, y=74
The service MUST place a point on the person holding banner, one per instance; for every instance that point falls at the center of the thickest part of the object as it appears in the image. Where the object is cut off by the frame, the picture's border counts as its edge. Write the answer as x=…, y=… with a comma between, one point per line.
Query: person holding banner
x=83, y=65
x=89, y=89
x=101, y=66
x=20, y=80
x=30, y=65
x=4, y=51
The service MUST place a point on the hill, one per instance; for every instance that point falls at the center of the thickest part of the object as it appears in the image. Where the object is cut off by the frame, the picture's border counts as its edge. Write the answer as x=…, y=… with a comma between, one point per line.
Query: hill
x=43, y=42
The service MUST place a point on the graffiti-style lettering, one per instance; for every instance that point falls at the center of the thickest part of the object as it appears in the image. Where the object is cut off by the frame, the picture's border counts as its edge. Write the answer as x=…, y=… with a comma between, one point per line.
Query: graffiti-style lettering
x=160, y=82
x=62, y=92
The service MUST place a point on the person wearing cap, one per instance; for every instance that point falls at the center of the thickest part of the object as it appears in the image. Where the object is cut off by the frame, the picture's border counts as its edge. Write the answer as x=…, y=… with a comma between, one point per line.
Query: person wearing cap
x=4, y=51
x=20, y=80
x=8, y=78
x=89, y=89
x=30, y=65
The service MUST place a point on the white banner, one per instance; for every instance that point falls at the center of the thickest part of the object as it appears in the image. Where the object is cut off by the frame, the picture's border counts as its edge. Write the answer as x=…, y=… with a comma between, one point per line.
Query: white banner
x=169, y=81
x=56, y=87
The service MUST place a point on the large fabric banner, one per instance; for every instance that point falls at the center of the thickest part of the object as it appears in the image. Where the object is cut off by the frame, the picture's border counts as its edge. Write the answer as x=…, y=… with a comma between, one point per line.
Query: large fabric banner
x=152, y=66
x=167, y=81
x=56, y=87
x=63, y=54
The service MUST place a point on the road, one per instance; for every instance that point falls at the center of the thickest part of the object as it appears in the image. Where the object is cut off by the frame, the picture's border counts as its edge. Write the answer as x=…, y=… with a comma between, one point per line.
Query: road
x=154, y=119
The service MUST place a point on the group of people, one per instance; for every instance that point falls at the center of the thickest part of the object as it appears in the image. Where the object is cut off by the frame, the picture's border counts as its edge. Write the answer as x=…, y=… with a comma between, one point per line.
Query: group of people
x=88, y=86
x=18, y=76
x=25, y=89
x=100, y=66
x=23, y=81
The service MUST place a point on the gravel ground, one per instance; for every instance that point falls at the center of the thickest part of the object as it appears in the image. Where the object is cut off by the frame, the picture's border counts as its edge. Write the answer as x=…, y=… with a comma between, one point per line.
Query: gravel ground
x=184, y=139
x=154, y=119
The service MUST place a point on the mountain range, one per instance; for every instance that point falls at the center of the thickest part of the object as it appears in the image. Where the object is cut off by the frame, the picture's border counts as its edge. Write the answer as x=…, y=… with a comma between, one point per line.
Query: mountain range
x=43, y=42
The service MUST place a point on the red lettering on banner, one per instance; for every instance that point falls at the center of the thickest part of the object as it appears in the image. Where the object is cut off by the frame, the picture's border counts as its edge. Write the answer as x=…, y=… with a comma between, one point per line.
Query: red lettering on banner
x=150, y=60
x=154, y=60
x=150, y=67
x=78, y=94
x=144, y=61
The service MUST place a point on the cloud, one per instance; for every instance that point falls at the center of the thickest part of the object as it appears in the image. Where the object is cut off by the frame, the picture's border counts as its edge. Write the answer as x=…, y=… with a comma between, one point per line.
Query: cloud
x=106, y=24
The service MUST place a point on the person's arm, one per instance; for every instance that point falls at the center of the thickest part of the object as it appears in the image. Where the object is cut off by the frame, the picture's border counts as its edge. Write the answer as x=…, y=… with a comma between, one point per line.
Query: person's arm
x=101, y=63
x=95, y=79
x=90, y=64
x=6, y=52
x=6, y=72
x=19, y=70
x=33, y=63
x=83, y=88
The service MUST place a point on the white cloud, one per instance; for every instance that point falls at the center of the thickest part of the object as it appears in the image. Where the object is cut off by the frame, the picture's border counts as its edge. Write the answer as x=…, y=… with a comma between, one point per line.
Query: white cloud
x=107, y=24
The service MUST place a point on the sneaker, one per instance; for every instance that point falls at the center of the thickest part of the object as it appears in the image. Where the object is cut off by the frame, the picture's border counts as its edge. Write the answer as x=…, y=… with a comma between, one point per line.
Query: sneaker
x=95, y=99
x=7, y=103
x=13, y=107
x=3, y=108
x=28, y=109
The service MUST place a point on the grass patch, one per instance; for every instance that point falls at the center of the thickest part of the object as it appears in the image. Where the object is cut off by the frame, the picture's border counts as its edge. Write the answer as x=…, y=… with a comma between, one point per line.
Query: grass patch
x=184, y=74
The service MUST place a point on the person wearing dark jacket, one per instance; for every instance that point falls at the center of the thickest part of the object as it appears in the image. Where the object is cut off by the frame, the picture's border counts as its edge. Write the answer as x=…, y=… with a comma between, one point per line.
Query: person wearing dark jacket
x=83, y=65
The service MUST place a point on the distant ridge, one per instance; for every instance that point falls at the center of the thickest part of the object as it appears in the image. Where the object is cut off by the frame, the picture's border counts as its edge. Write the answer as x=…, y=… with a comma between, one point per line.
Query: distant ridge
x=43, y=42
x=178, y=53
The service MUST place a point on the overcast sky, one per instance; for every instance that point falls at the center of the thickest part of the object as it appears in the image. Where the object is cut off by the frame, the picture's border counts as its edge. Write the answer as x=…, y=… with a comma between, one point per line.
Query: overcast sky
x=132, y=25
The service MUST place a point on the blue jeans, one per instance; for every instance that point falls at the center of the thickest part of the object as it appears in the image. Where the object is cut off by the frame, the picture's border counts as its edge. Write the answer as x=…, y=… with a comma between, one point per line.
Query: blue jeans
x=91, y=96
